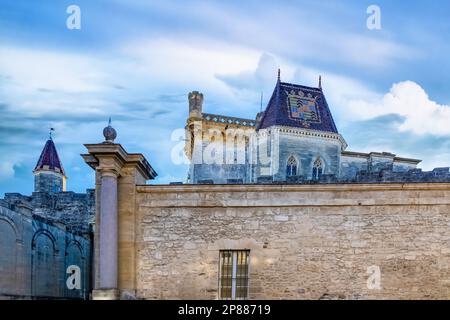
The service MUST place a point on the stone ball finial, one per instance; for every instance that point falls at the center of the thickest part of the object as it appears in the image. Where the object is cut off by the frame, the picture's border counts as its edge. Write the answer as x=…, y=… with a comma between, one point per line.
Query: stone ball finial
x=109, y=133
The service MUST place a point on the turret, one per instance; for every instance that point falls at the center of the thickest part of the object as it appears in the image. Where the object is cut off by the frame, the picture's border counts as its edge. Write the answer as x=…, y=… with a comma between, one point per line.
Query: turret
x=195, y=104
x=49, y=175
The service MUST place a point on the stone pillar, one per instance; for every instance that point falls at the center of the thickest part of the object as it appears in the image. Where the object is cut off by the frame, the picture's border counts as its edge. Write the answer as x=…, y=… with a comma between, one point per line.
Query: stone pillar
x=108, y=230
x=117, y=174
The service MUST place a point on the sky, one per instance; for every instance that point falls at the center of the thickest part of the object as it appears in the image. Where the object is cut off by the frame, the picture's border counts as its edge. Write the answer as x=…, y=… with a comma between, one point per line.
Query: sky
x=136, y=61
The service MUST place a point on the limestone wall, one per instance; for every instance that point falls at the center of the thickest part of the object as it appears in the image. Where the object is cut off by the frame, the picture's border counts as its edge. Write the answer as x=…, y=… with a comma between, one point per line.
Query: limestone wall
x=35, y=253
x=306, y=151
x=305, y=241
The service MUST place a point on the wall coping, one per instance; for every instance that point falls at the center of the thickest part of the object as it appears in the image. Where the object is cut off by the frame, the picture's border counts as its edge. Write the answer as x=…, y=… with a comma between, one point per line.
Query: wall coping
x=186, y=188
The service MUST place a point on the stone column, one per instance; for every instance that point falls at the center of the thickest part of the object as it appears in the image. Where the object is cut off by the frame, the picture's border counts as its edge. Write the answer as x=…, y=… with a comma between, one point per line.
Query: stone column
x=108, y=231
x=117, y=174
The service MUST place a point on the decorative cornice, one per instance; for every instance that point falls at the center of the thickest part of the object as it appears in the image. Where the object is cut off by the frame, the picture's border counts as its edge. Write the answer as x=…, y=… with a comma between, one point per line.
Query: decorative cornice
x=119, y=158
x=379, y=154
x=309, y=133
x=228, y=120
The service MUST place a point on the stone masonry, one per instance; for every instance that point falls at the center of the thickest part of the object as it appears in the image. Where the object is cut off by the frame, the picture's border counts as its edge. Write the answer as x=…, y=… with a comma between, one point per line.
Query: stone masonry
x=305, y=241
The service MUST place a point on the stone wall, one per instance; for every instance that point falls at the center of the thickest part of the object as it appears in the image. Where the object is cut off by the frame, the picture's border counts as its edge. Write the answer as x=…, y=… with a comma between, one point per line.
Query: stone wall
x=306, y=151
x=47, y=181
x=35, y=253
x=40, y=236
x=305, y=241
x=75, y=210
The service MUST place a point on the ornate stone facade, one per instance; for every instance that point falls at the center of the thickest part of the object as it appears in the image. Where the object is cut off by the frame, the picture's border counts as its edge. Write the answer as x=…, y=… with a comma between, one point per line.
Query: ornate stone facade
x=296, y=127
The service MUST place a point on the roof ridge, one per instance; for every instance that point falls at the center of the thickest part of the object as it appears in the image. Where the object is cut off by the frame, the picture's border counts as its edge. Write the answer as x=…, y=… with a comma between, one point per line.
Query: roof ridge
x=300, y=86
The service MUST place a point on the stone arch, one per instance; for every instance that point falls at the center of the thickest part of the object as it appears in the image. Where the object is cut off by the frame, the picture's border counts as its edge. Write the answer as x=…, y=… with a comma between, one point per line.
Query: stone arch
x=318, y=168
x=8, y=256
x=44, y=265
x=292, y=166
x=74, y=256
x=46, y=233
x=12, y=224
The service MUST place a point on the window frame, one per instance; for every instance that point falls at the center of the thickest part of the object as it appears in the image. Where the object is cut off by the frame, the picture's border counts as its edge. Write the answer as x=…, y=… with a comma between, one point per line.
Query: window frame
x=234, y=274
x=317, y=171
x=290, y=168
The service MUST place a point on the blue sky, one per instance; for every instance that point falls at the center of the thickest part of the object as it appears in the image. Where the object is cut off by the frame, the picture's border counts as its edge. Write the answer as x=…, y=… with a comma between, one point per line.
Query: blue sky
x=136, y=61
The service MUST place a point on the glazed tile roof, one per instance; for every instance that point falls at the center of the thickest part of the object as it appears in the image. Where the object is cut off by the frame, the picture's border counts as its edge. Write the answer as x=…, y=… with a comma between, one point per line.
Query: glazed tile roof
x=49, y=159
x=298, y=106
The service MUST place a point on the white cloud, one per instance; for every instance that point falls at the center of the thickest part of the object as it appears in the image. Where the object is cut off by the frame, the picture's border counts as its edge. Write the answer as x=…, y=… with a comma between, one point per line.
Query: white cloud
x=33, y=69
x=408, y=99
x=6, y=170
x=263, y=76
x=42, y=82
x=194, y=61
x=352, y=100
x=299, y=36
x=339, y=90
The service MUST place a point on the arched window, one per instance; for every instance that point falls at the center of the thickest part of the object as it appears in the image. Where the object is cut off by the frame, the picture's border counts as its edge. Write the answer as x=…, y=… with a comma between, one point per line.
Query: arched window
x=291, y=168
x=317, y=169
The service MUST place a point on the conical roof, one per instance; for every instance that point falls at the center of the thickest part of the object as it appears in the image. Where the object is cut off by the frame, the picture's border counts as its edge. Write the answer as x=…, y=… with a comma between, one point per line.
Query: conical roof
x=49, y=159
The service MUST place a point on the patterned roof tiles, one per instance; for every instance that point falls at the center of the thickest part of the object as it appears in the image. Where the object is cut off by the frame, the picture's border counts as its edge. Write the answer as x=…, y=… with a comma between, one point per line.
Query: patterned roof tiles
x=298, y=106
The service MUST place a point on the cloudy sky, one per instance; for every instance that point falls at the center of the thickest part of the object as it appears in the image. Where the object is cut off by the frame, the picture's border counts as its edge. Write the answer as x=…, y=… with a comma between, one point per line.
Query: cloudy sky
x=136, y=60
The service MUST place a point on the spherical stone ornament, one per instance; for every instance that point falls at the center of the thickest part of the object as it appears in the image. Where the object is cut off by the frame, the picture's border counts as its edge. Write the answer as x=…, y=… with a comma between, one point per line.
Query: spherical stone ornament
x=110, y=134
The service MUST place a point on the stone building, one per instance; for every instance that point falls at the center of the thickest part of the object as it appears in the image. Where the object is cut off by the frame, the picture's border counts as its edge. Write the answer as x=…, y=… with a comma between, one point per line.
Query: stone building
x=284, y=240
x=294, y=140
x=44, y=235
x=307, y=220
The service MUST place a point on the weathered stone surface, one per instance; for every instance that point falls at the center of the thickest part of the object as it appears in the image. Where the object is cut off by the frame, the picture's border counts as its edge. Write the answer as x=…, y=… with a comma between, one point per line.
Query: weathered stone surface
x=305, y=241
x=40, y=236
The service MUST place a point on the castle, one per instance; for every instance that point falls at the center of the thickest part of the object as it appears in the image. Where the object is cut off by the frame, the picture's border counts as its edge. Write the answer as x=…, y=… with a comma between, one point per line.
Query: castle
x=275, y=208
x=43, y=237
x=295, y=140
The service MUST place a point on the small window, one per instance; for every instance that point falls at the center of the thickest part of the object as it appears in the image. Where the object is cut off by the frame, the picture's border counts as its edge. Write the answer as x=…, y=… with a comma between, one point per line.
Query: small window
x=317, y=169
x=233, y=274
x=291, y=168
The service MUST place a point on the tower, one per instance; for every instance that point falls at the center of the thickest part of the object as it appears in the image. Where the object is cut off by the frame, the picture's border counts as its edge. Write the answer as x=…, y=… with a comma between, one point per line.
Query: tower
x=216, y=145
x=296, y=137
x=49, y=175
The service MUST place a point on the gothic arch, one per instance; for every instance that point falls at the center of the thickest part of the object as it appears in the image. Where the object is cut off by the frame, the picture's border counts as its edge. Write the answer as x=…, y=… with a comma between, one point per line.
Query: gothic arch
x=44, y=265
x=75, y=243
x=46, y=233
x=8, y=256
x=74, y=256
x=318, y=168
x=12, y=224
x=292, y=166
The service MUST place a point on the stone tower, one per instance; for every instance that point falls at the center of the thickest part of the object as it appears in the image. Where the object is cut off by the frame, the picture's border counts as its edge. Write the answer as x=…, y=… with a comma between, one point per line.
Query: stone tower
x=216, y=145
x=49, y=175
x=297, y=135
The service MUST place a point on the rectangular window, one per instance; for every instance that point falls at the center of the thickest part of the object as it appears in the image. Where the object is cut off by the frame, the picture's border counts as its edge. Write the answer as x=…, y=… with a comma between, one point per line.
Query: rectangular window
x=233, y=274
